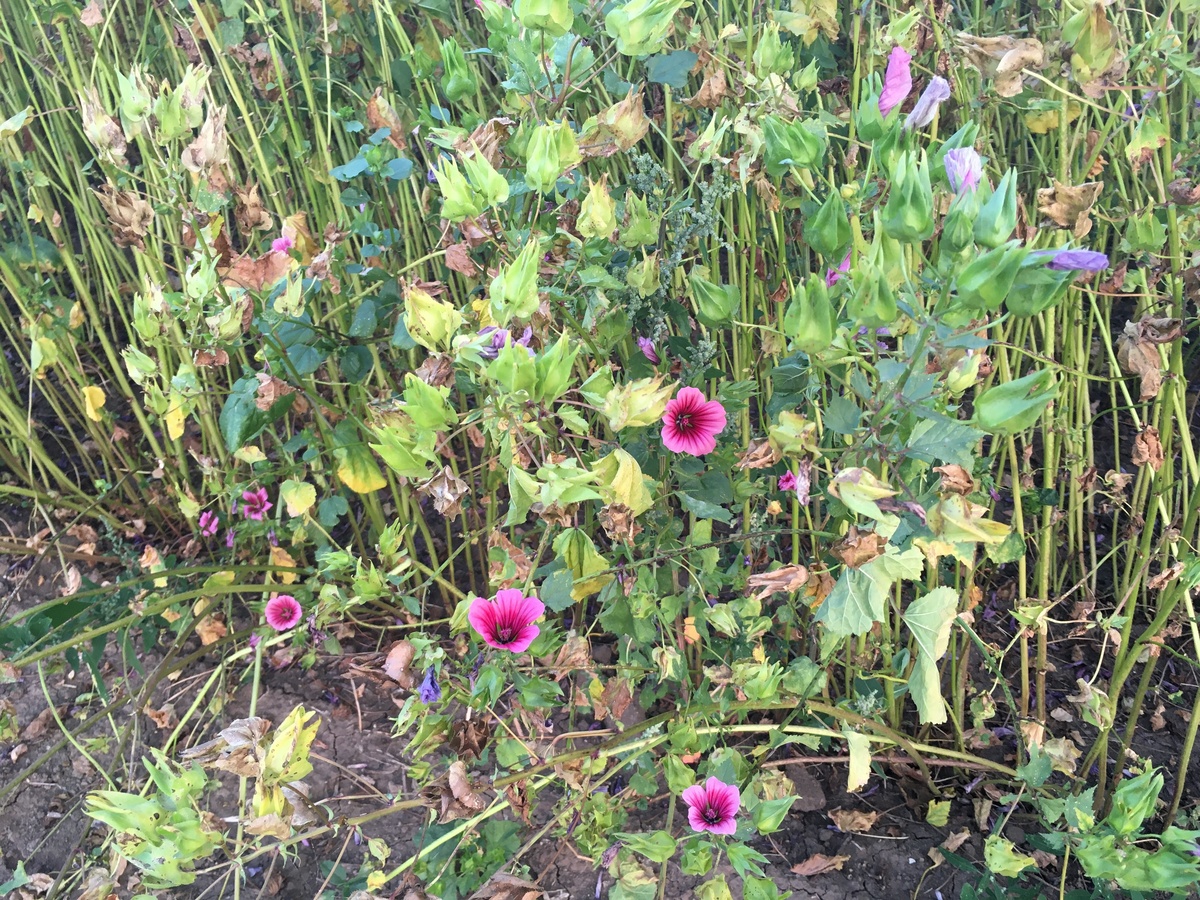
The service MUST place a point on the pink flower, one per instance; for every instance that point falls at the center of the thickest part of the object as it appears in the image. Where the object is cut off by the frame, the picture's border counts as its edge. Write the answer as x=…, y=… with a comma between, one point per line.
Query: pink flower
x=691, y=423
x=506, y=621
x=897, y=82
x=647, y=347
x=208, y=523
x=255, y=504
x=283, y=612
x=787, y=481
x=713, y=807
x=282, y=244
x=833, y=276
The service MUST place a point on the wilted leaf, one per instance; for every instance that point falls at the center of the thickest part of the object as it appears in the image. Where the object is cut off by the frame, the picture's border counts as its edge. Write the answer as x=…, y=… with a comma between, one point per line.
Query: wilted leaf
x=381, y=114
x=619, y=523
x=818, y=864
x=248, y=210
x=457, y=797
x=1069, y=206
x=1147, y=449
x=256, y=272
x=93, y=401
x=858, y=547
x=458, y=258
x=211, y=629
x=575, y=654
x=759, y=455
x=955, y=479
x=281, y=558
x=853, y=819
x=1002, y=58
x=298, y=496
x=129, y=216
x=713, y=90
x=396, y=665
x=784, y=580
x=92, y=15
x=446, y=489
x=238, y=748
x=503, y=886
x=519, y=558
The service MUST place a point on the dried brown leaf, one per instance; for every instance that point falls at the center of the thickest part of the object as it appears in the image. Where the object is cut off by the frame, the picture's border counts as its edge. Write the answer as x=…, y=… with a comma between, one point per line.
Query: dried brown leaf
x=1002, y=58
x=92, y=15
x=1070, y=206
x=955, y=479
x=446, y=490
x=858, y=547
x=458, y=258
x=256, y=272
x=129, y=216
x=759, y=455
x=619, y=523
x=381, y=114
x=853, y=819
x=818, y=864
x=519, y=558
x=396, y=664
x=1148, y=449
x=271, y=390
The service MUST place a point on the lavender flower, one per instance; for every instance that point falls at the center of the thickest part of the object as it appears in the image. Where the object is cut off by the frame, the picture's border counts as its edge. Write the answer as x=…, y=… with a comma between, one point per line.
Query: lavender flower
x=647, y=347
x=897, y=81
x=1078, y=261
x=927, y=104
x=964, y=169
x=501, y=338
x=230, y=538
x=430, y=691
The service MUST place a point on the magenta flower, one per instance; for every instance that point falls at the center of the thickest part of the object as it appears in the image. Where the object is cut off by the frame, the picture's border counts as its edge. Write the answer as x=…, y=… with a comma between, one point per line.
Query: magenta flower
x=787, y=481
x=230, y=538
x=713, y=807
x=506, y=621
x=282, y=244
x=647, y=347
x=691, y=423
x=964, y=169
x=255, y=504
x=897, y=81
x=833, y=276
x=927, y=104
x=208, y=523
x=283, y=612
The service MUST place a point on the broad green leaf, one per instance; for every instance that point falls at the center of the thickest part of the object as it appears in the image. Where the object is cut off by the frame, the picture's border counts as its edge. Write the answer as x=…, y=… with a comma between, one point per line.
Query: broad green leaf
x=656, y=846
x=861, y=490
x=555, y=591
x=1002, y=857
x=299, y=496
x=938, y=814
x=929, y=619
x=670, y=68
x=588, y=567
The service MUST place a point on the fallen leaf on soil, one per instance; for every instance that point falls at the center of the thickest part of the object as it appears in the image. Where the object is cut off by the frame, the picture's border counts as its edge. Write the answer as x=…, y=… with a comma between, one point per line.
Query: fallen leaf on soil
x=507, y=887
x=163, y=718
x=1068, y=206
x=20, y=750
x=39, y=725
x=211, y=629
x=395, y=666
x=952, y=843
x=818, y=864
x=1147, y=449
x=853, y=819
x=783, y=581
x=1157, y=721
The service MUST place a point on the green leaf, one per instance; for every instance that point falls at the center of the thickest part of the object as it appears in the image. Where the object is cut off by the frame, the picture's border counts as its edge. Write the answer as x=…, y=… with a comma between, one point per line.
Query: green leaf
x=762, y=889
x=1002, y=857
x=356, y=363
x=703, y=509
x=331, y=509
x=8, y=128
x=1037, y=768
x=744, y=859
x=769, y=814
x=853, y=606
x=671, y=68
x=944, y=440
x=555, y=591
x=938, y=814
x=656, y=846
x=929, y=619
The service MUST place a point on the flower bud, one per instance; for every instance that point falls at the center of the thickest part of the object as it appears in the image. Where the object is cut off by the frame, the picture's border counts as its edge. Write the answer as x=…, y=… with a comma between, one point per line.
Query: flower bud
x=430, y=321
x=998, y=215
x=622, y=124
x=640, y=225
x=810, y=320
x=772, y=56
x=958, y=228
x=714, y=303
x=964, y=373
x=787, y=144
x=927, y=104
x=490, y=184
x=554, y=17
x=136, y=102
x=459, y=200
x=908, y=215
x=964, y=169
x=986, y=281
x=598, y=211
x=1037, y=287
x=514, y=289
x=873, y=303
x=868, y=121
x=102, y=130
x=552, y=150
x=897, y=81
x=828, y=232
x=458, y=80
x=643, y=276
x=554, y=367
x=640, y=26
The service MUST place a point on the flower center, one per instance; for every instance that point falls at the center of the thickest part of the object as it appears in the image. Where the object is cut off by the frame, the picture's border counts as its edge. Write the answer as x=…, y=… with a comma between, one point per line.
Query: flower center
x=683, y=421
x=504, y=634
x=711, y=816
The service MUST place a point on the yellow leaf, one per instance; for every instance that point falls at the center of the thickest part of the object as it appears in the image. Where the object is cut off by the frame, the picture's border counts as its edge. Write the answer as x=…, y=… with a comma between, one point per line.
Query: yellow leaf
x=250, y=454
x=176, y=417
x=622, y=481
x=280, y=557
x=298, y=495
x=358, y=471
x=93, y=402
x=859, y=746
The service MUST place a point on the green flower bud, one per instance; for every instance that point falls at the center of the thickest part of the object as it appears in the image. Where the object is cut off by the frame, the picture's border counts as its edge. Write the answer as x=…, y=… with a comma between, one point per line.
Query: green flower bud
x=554, y=17
x=868, y=121
x=551, y=151
x=640, y=225
x=828, y=232
x=430, y=321
x=514, y=290
x=1037, y=287
x=714, y=303
x=998, y=215
x=810, y=320
x=1144, y=233
x=964, y=137
x=459, y=200
x=486, y=180
x=873, y=302
x=136, y=102
x=964, y=373
x=958, y=228
x=908, y=215
x=458, y=80
x=787, y=144
x=806, y=79
x=498, y=19
x=1014, y=405
x=640, y=26
x=643, y=277
x=598, y=212
x=986, y=281
x=554, y=369
x=772, y=56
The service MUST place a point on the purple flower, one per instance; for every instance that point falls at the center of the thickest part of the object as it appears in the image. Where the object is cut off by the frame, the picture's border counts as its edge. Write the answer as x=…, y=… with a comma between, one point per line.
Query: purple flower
x=833, y=276
x=1078, y=261
x=430, y=691
x=897, y=81
x=255, y=504
x=230, y=536
x=501, y=339
x=208, y=523
x=282, y=244
x=927, y=105
x=647, y=347
x=964, y=169
x=787, y=481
